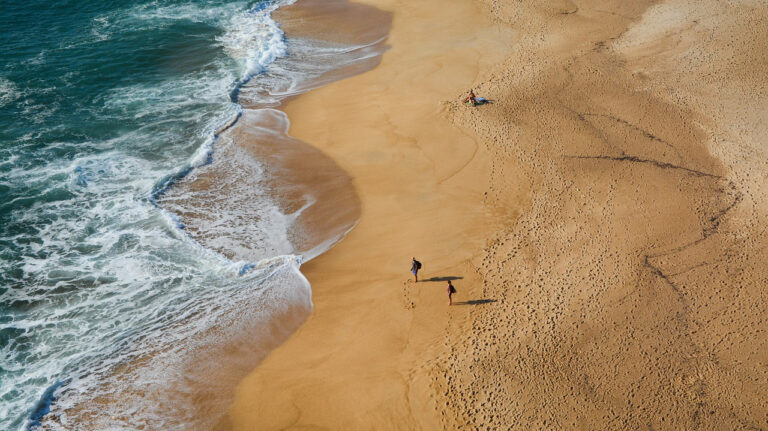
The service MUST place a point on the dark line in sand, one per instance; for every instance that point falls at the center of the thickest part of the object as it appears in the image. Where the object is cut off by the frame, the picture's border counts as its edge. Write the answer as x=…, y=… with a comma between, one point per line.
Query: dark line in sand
x=658, y=164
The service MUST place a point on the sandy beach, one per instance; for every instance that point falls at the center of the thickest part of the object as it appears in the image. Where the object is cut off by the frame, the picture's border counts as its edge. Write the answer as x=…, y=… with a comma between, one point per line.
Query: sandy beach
x=602, y=220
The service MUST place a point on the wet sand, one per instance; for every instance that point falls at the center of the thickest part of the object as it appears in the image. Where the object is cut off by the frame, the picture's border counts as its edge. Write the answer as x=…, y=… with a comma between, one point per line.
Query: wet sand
x=602, y=219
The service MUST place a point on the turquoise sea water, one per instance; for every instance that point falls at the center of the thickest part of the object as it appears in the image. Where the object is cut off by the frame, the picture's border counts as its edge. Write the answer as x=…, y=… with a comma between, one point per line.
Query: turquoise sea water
x=103, y=296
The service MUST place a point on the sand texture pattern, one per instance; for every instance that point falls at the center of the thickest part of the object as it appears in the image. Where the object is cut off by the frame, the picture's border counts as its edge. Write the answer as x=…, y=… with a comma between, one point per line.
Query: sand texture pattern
x=604, y=220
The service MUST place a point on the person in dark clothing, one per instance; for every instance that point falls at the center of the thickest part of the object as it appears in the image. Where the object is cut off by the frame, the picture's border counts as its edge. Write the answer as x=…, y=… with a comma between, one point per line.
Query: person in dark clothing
x=451, y=290
x=415, y=267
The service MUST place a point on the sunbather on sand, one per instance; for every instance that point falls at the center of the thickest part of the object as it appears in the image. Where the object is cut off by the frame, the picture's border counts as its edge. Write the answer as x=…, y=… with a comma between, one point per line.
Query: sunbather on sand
x=470, y=100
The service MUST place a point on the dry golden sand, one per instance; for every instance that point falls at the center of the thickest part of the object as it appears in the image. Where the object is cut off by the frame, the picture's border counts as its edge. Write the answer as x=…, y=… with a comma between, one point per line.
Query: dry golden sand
x=606, y=212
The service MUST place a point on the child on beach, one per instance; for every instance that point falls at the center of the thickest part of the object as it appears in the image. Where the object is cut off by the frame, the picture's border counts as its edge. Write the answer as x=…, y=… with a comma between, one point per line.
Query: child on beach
x=451, y=290
x=415, y=267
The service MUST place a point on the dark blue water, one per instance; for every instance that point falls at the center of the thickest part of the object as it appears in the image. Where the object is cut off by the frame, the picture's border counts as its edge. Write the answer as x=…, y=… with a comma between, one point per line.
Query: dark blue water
x=101, y=290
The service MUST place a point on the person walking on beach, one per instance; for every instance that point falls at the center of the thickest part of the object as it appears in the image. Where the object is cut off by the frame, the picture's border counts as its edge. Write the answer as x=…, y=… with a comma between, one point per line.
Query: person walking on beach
x=451, y=290
x=415, y=267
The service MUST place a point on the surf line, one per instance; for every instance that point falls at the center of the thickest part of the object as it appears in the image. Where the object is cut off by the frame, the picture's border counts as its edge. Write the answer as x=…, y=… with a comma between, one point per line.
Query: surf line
x=168, y=181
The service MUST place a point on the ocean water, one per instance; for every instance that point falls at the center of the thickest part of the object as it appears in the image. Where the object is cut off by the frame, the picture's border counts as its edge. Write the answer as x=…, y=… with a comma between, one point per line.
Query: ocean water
x=107, y=305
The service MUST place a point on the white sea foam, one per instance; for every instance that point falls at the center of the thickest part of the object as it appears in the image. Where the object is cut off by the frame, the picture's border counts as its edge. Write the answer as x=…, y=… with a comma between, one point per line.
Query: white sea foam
x=244, y=222
x=205, y=324
x=255, y=37
x=152, y=14
x=100, y=28
x=156, y=294
x=8, y=91
x=305, y=66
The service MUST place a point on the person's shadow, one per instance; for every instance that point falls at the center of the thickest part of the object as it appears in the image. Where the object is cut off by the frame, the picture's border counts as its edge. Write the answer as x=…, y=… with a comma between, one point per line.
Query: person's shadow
x=476, y=302
x=445, y=278
x=479, y=101
x=470, y=302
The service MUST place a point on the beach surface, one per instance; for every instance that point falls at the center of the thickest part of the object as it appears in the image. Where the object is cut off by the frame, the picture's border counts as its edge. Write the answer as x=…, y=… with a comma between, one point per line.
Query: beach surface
x=603, y=221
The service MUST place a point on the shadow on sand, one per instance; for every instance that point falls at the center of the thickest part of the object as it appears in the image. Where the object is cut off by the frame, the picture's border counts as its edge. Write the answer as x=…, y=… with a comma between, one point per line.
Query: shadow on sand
x=446, y=278
x=480, y=101
x=476, y=302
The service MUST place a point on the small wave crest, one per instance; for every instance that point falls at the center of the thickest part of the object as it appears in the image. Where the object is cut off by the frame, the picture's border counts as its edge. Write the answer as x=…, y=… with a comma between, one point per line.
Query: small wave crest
x=255, y=37
x=8, y=91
